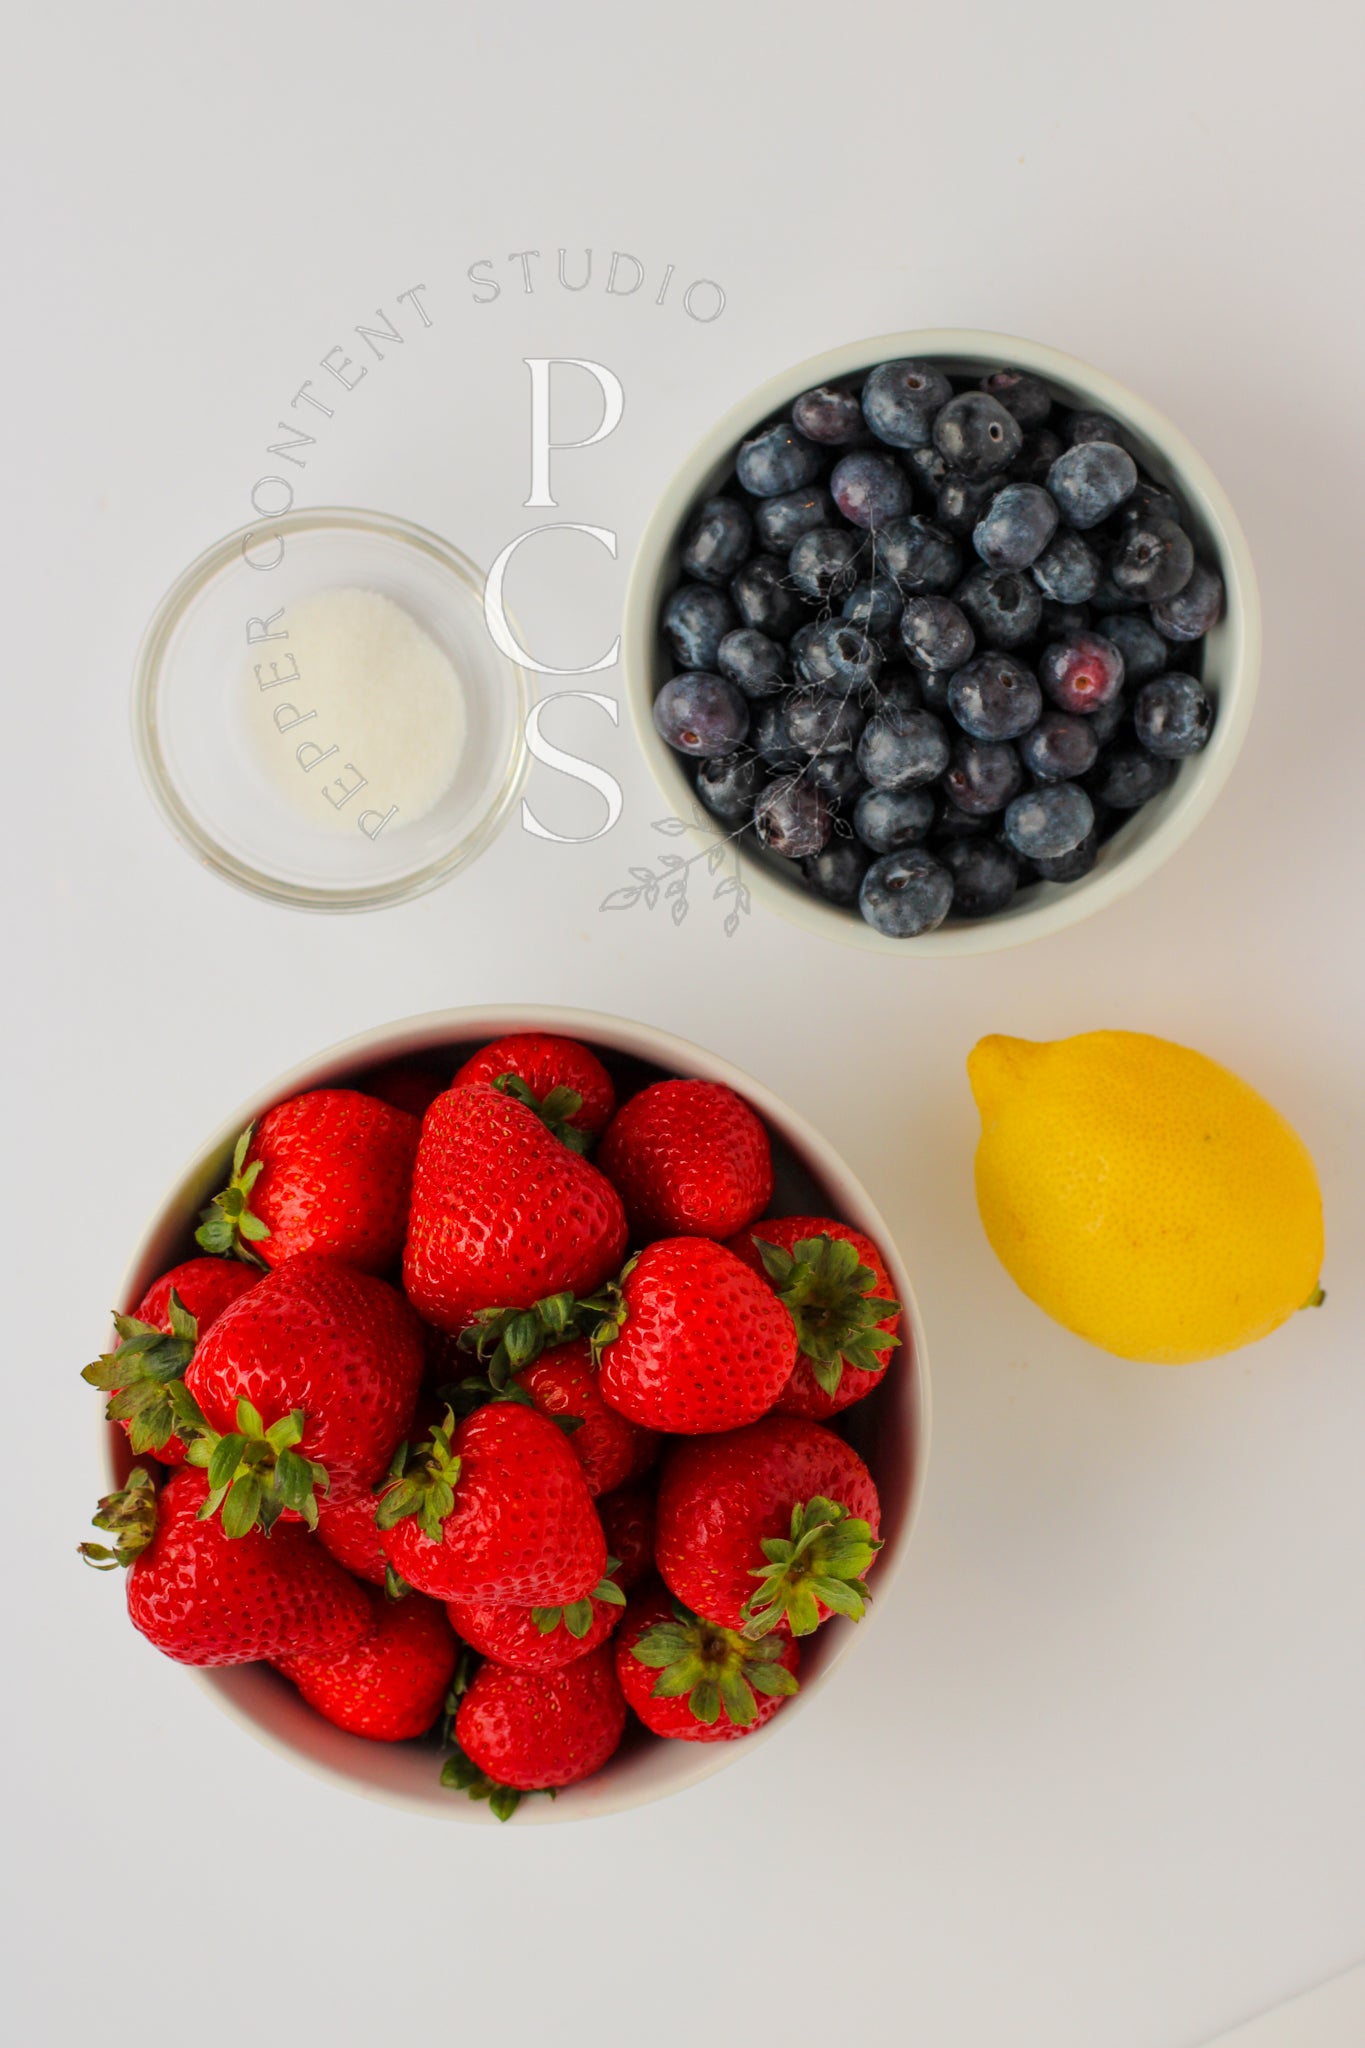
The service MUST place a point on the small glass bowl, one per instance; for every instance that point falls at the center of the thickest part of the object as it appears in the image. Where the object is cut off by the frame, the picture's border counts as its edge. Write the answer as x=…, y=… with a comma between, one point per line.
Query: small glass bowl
x=190, y=723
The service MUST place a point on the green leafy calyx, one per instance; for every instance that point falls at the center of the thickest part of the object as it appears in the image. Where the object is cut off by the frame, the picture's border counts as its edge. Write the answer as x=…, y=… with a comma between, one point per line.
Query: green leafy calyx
x=833, y=1301
x=140, y=1374
x=506, y=1339
x=577, y=1615
x=554, y=1110
x=425, y=1486
x=129, y=1516
x=715, y=1670
x=604, y=1315
x=255, y=1472
x=460, y=1774
x=228, y=1228
x=821, y=1563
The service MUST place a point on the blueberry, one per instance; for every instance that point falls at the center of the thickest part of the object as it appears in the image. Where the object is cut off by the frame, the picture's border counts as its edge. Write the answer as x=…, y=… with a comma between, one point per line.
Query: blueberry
x=717, y=540
x=936, y=633
x=1193, y=611
x=917, y=555
x=836, y=656
x=1107, y=598
x=1090, y=481
x=1003, y=605
x=1061, y=621
x=976, y=435
x=837, y=871
x=904, y=894
x=1059, y=747
x=780, y=522
x=1091, y=426
x=1040, y=450
x=874, y=607
x=751, y=659
x=982, y=776
x=836, y=775
x=769, y=738
x=1106, y=720
x=1127, y=777
x=791, y=818
x=765, y=600
x=900, y=400
x=829, y=416
x=952, y=824
x=1150, y=501
x=1068, y=569
x=985, y=876
x=1144, y=652
x=869, y=488
x=1069, y=867
x=728, y=786
x=902, y=749
x=819, y=722
x=995, y=697
x=888, y=819
x=824, y=562
x=927, y=466
x=1154, y=559
x=702, y=715
x=1045, y=823
x=961, y=501
x=1028, y=398
x=695, y=621
x=777, y=459
x=1172, y=716
x=1015, y=527
x=1081, y=673
x=901, y=686
x=933, y=691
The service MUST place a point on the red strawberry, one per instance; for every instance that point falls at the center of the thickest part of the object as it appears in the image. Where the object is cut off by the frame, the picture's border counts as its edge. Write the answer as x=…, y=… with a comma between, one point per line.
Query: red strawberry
x=391, y=1685
x=502, y=1212
x=156, y=1343
x=691, y=1340
x=339, y=1351
x=688, y=1679
x=529, y=1732
x=406, y=1085
x=691, y=1160
x=627, y=1518
x=771, y=1527
x=329, y=1171
x=564, y=1382
x=351, y=1533
x=539, y=1638
x=835, y=1283
x=498, y=1511
x=546, y=1063
x=203, y=1597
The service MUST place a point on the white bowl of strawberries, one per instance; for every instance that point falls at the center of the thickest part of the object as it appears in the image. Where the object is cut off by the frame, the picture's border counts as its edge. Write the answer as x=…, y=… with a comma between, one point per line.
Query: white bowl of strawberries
x=513, y=1401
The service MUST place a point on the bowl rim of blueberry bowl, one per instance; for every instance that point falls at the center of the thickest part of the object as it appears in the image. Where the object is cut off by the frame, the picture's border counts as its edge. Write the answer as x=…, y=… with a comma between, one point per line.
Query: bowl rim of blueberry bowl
x=894, y=1433
x=1232, y=649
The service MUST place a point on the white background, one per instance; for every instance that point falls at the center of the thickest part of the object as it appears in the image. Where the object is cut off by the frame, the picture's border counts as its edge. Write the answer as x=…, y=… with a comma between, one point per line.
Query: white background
x=1096, y=1781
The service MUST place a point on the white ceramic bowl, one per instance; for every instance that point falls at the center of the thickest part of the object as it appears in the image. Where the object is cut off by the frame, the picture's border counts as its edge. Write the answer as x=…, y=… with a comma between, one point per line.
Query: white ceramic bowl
x=890, y=1428
x=1231, y=651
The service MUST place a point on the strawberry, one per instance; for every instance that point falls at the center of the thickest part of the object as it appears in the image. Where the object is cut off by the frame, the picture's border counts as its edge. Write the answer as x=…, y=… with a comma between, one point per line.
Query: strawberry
x=332, y=1359
x=771, y=1527
x=546, y=1063
x=502, y=1212
x=156, y=1343
x=522, y=1731
x=691, y=1160
x=203, y=1597
x=835, y=1283
x=564, y=1382
x=329, y=1171
x=627, y=1518
x=691, y=1340
x=695, y=1682
x=497, y=1509
x=351, y=1533
x=540, y=1638
x=406, y=1085
x=390, y=1686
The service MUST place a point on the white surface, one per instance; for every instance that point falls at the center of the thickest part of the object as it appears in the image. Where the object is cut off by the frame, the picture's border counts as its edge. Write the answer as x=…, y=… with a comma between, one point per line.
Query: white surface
x=1331, y=2016
x=1100, y=1782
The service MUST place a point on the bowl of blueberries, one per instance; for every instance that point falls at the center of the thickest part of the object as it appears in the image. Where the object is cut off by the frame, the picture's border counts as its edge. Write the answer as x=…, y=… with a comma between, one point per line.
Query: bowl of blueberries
x=954, y=635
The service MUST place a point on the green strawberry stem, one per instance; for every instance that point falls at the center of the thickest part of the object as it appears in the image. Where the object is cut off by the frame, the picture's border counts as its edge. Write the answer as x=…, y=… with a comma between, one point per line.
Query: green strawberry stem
x=129, y=1516
x=227, y=1228
x=604, y=1315
x=832, y=1300
x=424, y=1484
x=506, y=1339
x=554, y=1109
x=459, y=1774
x=140, y=1374
x=255, y=1473
x=577, y=1615
x=715, y=1670
x=821, y=1563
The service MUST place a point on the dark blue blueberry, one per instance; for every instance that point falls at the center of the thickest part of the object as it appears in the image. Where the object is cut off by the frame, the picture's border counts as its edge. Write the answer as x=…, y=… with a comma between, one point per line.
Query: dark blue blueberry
x=1090, y=481
x=765, y=599
x=933, y=691
x=695, y=621
x=1154, y=559
x=837, y=871
x=777, y=459
x=874, y=607
x=904, y=894
x=961, y=501
x=900, y=400
x=701, y=715
x=819, y=722
x=751, y=659
x=902, y=749
x=927, y=466
x=1059, y=747
x=836, y=656
x=1047, y=822
x=995, y=697
x=1193, y=611
x=1068, y=570
x=888, y=819
x=830, y=416
x=836, y=775
x=869, y=488
x=1069, y=867
x=985, y=875
x=769, y=738
x=1027, y=397
x=917, y=555
x=1015, y=527
x=792, y=819
x=717, y=540
x=952, y=824
x=1107, y=598
x=1081, y=673
x=1107, y=718
x=976, y=435
x=982, y=776
x=1144, y=652
x=1150, y=501
x=936, y=633
x=1004, y=605
x=780, y=522
x=729, y=786
x=1091, y=426
x=824, y=562
x=1127, y=777
x=1173, y=716
x=1040, y=450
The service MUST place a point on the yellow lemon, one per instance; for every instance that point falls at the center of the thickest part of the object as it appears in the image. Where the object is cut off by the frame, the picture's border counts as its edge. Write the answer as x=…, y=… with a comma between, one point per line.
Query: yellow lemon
x=1142, y=1194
